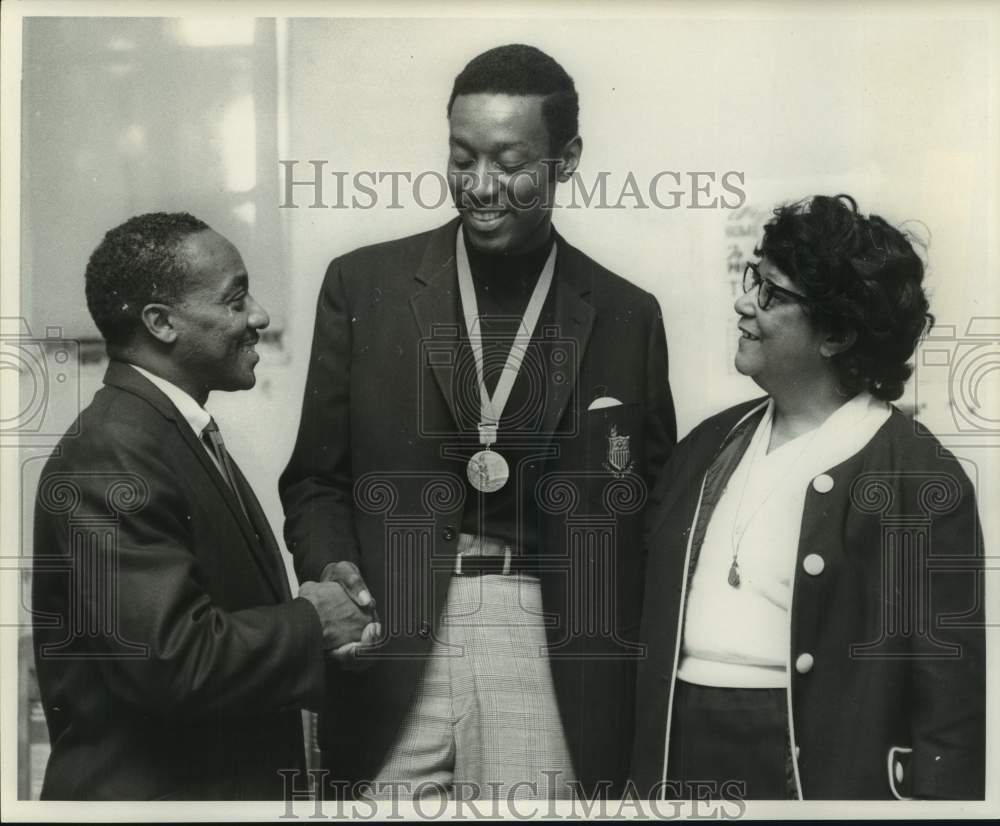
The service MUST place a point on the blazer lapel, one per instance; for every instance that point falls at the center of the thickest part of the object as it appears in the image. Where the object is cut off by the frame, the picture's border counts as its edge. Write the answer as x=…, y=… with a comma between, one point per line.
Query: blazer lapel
x=122, y=376
x=574, y=318
x=271, y=553
x=254, y=537
x=436, y=310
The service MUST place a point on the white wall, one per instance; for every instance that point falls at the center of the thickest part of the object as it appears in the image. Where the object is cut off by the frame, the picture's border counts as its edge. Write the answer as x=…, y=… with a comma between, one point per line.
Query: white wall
x=894, y=112
x=900, y=113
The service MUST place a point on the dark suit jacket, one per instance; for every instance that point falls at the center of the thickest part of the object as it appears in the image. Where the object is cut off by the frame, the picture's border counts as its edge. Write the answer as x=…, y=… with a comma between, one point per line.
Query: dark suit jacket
x=893, y=703
x=377, y=478
x=171, y=661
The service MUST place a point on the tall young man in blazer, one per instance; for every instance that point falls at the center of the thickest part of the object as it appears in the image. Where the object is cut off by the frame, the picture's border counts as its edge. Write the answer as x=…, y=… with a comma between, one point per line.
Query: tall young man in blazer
x=485, y=410
x=171, y=658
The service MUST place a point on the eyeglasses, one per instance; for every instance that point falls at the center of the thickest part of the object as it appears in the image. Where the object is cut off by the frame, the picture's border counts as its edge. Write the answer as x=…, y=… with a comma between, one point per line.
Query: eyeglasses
x=752, y=278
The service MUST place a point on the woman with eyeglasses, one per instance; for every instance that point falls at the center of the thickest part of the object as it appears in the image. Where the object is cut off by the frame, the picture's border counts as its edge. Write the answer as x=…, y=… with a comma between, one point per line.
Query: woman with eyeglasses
x=813, y=612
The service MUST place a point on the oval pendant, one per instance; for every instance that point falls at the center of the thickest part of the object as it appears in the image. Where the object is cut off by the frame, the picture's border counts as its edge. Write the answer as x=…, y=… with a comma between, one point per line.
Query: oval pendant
x=734, y=575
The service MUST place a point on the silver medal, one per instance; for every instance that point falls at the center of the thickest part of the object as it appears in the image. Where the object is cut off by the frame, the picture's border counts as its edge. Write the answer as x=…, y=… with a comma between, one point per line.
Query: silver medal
x=488, y=471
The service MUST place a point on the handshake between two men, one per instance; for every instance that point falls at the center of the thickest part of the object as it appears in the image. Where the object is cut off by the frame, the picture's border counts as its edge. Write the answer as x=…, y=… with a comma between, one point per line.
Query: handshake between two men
x=346, y=611
x=172, y=661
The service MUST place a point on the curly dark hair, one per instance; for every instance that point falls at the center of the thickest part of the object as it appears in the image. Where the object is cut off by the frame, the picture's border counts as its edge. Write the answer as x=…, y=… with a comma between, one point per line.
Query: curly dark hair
x=136, y=264
x=858, y=273
x=522, y=70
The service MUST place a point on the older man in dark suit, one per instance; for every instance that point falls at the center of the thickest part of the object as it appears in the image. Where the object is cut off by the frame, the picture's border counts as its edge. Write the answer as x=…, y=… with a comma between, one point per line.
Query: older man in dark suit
x=172, y=661
x=484, y=412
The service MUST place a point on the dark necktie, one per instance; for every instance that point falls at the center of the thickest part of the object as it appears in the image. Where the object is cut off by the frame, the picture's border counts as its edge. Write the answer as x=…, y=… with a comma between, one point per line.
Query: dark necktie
x=249, y=505
x=213, y=438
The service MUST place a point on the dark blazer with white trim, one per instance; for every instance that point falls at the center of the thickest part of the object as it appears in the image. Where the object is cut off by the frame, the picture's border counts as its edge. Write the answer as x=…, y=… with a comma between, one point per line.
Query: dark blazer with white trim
x=893, y=705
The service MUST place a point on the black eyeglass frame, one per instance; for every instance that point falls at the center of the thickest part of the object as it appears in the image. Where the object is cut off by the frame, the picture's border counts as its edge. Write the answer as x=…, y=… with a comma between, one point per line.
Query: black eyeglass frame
x=767, y=287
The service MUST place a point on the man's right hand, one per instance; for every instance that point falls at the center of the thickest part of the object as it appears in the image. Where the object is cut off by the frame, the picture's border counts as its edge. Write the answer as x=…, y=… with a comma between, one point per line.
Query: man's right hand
x=342, y=619
x=348, y=575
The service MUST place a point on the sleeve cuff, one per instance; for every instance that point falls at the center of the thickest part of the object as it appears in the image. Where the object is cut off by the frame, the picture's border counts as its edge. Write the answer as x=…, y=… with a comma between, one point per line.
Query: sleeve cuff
x=311, y=629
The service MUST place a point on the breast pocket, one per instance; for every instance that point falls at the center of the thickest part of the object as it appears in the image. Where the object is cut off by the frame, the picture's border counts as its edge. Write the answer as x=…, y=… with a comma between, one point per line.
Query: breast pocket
x=614, y=439
x=613, y=459
x=598, y=470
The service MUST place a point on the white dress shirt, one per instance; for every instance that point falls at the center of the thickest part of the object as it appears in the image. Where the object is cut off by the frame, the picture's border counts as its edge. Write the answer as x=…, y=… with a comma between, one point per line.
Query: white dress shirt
x=194, y=414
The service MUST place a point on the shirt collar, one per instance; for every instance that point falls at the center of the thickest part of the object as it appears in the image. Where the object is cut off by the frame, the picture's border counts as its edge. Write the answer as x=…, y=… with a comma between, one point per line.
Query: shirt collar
x=194, y=414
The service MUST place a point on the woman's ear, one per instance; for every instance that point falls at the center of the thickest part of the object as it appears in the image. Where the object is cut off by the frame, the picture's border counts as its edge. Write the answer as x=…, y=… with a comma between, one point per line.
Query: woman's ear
x=838, y=342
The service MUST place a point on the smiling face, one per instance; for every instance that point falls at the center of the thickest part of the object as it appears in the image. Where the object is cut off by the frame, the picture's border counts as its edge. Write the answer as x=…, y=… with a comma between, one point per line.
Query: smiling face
x=502, y=171
x=217, y=320
x=780, y=348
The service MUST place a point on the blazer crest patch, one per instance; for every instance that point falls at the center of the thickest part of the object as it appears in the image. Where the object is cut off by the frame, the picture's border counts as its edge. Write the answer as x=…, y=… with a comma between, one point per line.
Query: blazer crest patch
x=619, y=461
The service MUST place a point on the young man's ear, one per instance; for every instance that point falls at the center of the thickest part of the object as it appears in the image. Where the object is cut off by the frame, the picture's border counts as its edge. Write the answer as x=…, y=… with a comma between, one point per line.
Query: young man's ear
x=159, y=322
x=838, y=342
x=569, y=159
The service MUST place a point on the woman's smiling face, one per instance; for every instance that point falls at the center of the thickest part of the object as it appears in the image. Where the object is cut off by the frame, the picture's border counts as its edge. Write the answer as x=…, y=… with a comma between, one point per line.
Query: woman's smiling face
x=779, y=347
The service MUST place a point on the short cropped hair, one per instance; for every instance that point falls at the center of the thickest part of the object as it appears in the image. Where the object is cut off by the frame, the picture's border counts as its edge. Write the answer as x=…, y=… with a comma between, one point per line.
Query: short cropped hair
x=136, y=264
x=858, y=273
x=523, y=70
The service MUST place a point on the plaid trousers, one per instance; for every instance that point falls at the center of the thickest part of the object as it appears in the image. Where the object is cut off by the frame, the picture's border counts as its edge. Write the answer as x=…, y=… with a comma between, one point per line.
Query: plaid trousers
x=484, y=723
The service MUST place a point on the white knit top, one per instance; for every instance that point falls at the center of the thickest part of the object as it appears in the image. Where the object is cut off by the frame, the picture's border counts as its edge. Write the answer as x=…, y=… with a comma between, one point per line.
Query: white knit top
x=740, y=637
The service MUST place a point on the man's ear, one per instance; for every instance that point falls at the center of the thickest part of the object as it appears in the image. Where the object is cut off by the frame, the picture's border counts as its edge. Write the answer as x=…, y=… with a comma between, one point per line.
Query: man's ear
x=159, y=323
x=838, y=342
x=569, y=159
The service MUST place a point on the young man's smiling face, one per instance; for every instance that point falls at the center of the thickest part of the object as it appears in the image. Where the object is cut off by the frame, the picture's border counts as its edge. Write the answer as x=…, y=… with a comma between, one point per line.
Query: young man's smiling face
x=502, y=170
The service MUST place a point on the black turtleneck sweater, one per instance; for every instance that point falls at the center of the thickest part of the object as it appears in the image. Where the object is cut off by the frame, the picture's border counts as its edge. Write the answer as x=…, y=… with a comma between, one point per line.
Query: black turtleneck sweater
x=504, y=284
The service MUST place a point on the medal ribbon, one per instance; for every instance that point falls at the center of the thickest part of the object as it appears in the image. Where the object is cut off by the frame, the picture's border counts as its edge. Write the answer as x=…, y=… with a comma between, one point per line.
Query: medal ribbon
x=491, y=409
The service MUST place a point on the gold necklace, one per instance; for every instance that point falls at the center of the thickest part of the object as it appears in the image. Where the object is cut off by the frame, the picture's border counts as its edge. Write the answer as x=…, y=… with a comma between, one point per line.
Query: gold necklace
x=734, y=578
